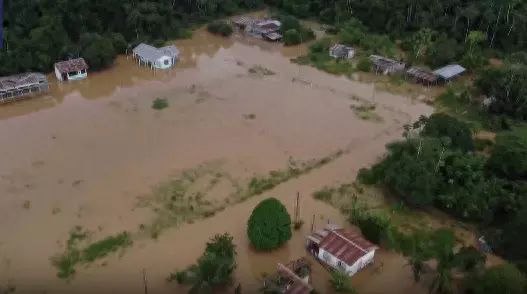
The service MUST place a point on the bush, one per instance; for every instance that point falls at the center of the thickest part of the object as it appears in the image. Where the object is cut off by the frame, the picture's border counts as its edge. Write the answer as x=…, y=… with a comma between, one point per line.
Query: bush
x=159, y=103
x=373, y=227
x=341, y=282
x=364, y=64
x=470, y=258
x=499, y=279
x=220, y=28
x=119, y=42
x=269, y=226
x=292, y=37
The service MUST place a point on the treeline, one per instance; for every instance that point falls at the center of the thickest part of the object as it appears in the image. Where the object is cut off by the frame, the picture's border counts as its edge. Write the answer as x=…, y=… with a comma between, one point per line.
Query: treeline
x=502, y=21
x=37, y=33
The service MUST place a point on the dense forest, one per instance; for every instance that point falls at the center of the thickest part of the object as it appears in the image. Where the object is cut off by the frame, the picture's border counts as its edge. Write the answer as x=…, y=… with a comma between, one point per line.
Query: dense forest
x=40, y=32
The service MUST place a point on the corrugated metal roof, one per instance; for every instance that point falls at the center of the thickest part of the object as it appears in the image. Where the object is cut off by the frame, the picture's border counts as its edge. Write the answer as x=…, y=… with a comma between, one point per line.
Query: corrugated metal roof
x=340, y=50
x=450, y=71
x=151, y=53
x=71, y=65
x=21, y=80
x=422, y=74
x=348, y=245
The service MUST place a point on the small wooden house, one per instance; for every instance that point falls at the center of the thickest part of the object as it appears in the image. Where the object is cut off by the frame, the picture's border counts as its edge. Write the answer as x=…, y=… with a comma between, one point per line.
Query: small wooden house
x=156, y=58
x=342, y=249
x=73, y=69
x=340, y=51
x=422, y=76
x=386, y=65
x=273, y=36
x=21, y=86
x=449, y=72
x=243, y=22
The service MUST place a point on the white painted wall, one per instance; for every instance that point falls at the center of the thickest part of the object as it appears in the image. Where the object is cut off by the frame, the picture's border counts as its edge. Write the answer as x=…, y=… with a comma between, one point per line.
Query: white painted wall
x=332, y=261
x=58, y=75
x=160, y=63
x=78, y=76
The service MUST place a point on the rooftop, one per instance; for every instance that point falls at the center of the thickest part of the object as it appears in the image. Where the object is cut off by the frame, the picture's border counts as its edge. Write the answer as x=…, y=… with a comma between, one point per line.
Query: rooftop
x=450, y=71
x=384, y=61
x=21, y=80
x=422, y=74
x=340, y=50
x=348, y=245
x=71, y=65
x=151, y=53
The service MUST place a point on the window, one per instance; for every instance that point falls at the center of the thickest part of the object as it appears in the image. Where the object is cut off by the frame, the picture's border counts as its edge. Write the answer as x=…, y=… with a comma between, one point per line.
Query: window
x=83, y=71
x=326, y=256
x=166, y=61
x=341, y=265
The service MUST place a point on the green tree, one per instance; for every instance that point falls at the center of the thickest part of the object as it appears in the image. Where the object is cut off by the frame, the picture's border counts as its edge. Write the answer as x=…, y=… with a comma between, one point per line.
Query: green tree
x=100, y=53
x=509, y=157
x=269, y=226
x=443, y=125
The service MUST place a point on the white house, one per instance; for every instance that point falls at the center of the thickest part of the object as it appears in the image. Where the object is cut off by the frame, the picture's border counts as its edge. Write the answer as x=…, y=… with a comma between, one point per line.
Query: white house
x=345, y=250
x=73, y=69
x=156, y=58
x=340, y=51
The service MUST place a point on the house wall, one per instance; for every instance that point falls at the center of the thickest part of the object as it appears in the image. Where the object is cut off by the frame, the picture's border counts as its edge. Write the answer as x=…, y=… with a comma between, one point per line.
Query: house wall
x=160, y=63
x=78, y=76
x=332, y=261
x=58, y=75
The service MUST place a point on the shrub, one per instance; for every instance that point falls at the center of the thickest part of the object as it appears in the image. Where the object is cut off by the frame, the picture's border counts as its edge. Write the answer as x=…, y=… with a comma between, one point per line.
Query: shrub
x=292, y=37
x=373, y=227
x=99, y=53
x=220, y=28
x=509, y=158
x=470, y=258
x=364, y=64
x=159, y=103
x=341, y=282
x=269, y=226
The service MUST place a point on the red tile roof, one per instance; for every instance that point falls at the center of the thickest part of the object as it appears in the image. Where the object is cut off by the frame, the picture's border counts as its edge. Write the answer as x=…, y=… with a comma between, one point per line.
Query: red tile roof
x=348, y=245
x=71, y=65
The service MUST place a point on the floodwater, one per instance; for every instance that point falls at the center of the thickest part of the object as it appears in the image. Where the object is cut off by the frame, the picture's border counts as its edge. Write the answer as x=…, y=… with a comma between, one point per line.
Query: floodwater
x=86, y=152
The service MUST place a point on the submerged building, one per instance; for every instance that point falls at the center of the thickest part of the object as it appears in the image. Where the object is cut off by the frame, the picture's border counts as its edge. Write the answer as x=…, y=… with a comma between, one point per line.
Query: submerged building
x=342, y=249
x=156, y=58
x=22, y=86
x=386, y=65
x=70, y=70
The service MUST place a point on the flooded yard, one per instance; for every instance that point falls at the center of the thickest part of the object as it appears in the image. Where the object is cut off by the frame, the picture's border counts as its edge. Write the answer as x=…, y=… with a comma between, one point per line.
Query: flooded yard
x=92, y=153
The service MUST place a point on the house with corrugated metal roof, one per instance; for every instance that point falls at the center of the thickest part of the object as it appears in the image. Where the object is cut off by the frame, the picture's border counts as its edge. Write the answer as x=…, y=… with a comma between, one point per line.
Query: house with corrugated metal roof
x=422, y=76
x=70, y=70
x=386, y=65
x=343, y=249
x=21, y=86
x=156, y=58
x=449, y=72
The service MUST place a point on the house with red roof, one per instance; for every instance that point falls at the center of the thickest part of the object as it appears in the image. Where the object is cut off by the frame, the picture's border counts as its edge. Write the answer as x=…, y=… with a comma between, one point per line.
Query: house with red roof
x=73, y=69
x=343, y=249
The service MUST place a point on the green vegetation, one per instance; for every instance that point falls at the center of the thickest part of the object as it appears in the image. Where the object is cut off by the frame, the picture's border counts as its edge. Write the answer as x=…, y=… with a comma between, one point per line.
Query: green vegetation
x=364, y=64
x=269, y=226
x=498, y=279
x=39, y=33
x=260, y=70
x=366, y=111
x=160, y=103
x=74, y=255
x=213, y=269
x=220, y=28
x=293, y=31
x=341, y=282
x=292, y=37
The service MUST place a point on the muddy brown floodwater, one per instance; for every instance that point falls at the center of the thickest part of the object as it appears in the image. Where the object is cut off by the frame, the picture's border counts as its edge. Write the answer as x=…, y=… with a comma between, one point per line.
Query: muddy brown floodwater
x=85, y=153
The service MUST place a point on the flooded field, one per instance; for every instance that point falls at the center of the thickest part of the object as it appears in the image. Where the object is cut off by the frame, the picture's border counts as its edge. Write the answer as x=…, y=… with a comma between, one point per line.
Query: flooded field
x=94, y=154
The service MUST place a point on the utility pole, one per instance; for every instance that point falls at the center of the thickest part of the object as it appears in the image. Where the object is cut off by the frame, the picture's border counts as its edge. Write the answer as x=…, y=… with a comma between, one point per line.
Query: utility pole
x=313, y=223
x=145, y=281
x=297, y=208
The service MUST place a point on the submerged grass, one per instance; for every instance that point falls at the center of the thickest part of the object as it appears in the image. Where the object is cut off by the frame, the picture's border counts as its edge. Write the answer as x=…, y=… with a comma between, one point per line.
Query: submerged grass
x=74, y=256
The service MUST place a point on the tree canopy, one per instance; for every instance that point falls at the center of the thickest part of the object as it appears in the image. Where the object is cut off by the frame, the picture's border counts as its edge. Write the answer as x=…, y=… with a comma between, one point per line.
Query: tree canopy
x=269, y=226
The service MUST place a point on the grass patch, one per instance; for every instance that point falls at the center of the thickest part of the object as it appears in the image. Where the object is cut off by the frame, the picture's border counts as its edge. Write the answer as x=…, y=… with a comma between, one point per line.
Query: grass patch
x=74, y=255
x=159, y=103
x=457, y=101
x=366, y=111
x=260, y=71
